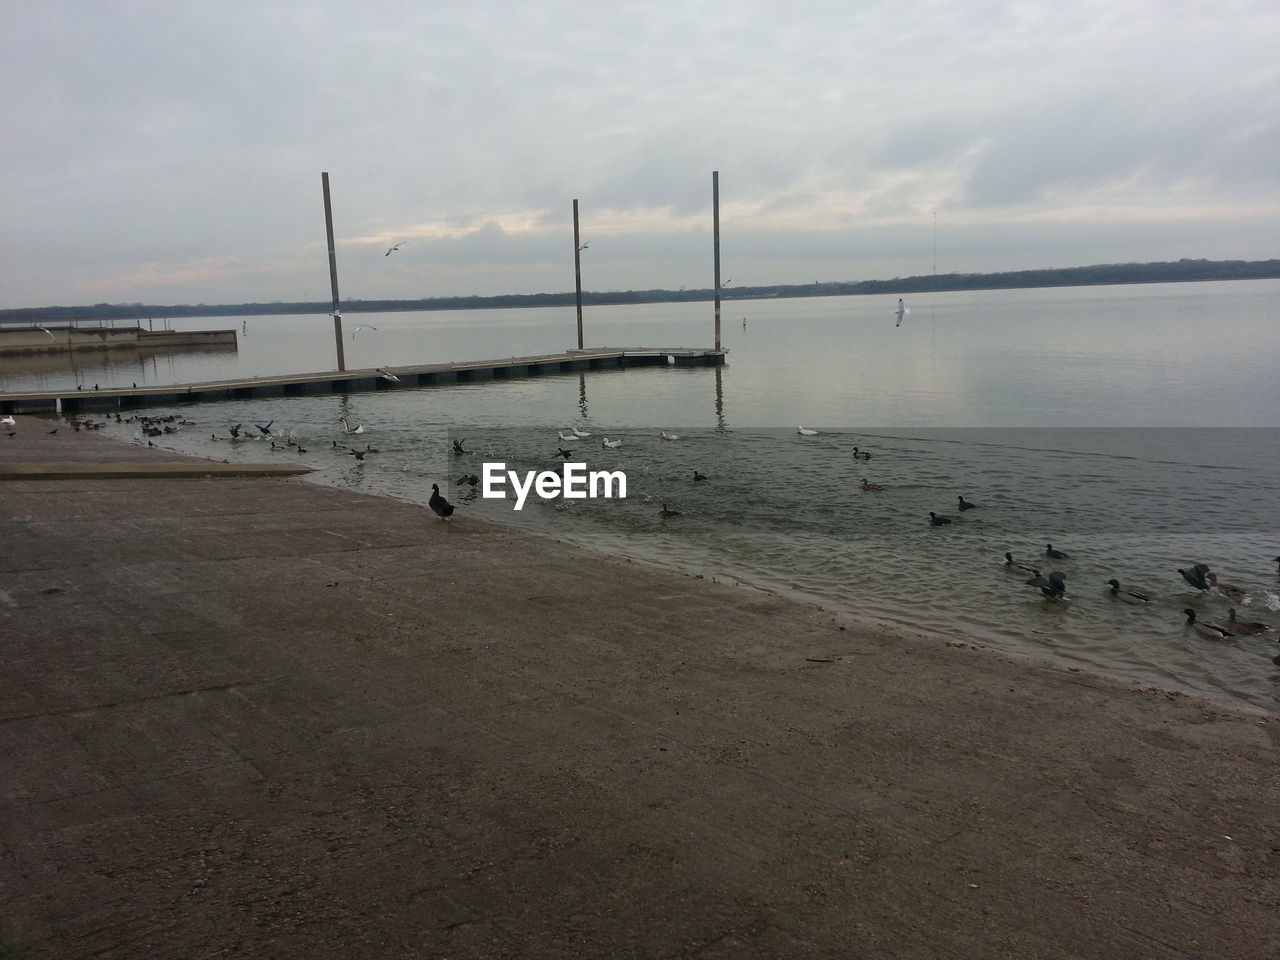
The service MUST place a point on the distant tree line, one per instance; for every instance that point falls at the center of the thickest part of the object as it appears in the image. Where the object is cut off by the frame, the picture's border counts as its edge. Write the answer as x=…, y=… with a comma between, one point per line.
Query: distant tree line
x=1181, y=271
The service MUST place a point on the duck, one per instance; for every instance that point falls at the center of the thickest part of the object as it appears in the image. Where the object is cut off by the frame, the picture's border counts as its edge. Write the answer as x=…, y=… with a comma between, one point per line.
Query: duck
x=668, y=512
x=860, y=454
x=868, y=486
x=457, y=446
x=265, y=427
x=611, y=444
x=698, y=476
x=1226, y=589
x=1196, y=576
x=1246, y=628
x=469, y=478
x=966, y=505
x=1056, y=587
x=564, y=453
x=1017, y=567
x=348, y=429
x=1056, y=554
x=1127, y=596
x=1210, y=631
x=669, y=436
x=441, y=507
x=579, y=433
x=938, y=521
x=806, y=432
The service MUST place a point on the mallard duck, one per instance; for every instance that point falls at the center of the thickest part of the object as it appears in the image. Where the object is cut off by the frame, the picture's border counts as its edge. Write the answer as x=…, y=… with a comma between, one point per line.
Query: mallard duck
x=1247, y=628
x=1017, y=567
x=860, y=454
x=867, y=485
x=699, y=476
x=1210, y=631
x=1127, y=596
x=1056, y=554
x=441, y=507
x=668, y=512
x=1226, y=589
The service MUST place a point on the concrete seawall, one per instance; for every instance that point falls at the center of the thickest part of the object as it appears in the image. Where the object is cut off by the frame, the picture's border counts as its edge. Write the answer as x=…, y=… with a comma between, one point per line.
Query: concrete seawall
x=21, y=341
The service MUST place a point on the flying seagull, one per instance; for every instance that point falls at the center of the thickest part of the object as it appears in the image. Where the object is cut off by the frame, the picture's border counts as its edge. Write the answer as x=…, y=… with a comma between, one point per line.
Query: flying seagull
x=363, y=326
x=387, y=376
x=901, y=312
x=49, y=332
x=391, y=250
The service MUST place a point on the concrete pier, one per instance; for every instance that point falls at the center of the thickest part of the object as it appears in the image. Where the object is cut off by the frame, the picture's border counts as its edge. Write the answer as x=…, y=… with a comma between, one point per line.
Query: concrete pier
x=24, y=341
x=334, y=381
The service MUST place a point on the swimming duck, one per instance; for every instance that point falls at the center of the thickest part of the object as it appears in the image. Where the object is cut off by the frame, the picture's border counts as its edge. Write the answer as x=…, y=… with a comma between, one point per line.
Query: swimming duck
x=669, y=436
x=469, y=478
x=668, y=512
x=1056, y=588
x=1196, y=576
x=1056, y=554
x=1127, y=596
x=938, y=521
x=860, y=454
x=1226, y=589
x=1247, y=628
x=1210, y=631
x=867, y=485
x=441, y=507
x=563, y=452
x=966, y=505
x=1017, y=567
x=699, y=476
x=805, y=432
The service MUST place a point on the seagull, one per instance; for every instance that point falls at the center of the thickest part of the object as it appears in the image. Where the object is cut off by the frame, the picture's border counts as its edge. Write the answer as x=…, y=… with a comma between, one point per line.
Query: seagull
x=901, y=312
x=438, y=504
x=391, y=250
x=806, y=432
x=1210, y=631
x=9, y=421
x=1017, y=567
x=868, y=486
x=457, y=446
x=860, y=454
x=668, y=512
x=1226, y=589
x=566, y=437
x=1127, y=596
x=669, y=436
x=363, y=326
x=938, y=521
x=965, y=505
x=1195, y=576
x=611, y=444
x=387, y=376
x=1246, y=628
x=698, y=476
x=579, y=433
x=348, y=429
x=49, y=332
x=1056, y=554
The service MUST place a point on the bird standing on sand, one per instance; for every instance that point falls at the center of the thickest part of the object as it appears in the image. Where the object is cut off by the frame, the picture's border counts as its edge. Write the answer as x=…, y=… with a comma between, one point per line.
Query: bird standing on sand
x=1127, y=596
x=1210, y=631
x=441, y=507
x=966, y=505
x=1056, y=554
x=1196, y=576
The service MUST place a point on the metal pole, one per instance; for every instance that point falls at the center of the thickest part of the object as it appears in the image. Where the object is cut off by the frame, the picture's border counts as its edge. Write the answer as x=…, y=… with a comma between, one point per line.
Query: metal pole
x=715, y=229
x=577, y=269
x=333, y=273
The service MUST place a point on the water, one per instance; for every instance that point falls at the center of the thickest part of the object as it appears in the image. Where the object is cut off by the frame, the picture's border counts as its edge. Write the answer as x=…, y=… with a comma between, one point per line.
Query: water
x=1134, y=427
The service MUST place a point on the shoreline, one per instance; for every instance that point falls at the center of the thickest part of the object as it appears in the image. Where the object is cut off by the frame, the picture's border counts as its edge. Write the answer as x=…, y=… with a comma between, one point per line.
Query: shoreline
x=261, y=716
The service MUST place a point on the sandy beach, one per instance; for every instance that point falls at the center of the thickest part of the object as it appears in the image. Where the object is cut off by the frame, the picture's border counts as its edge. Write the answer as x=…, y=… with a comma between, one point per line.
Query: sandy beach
x=254, y=716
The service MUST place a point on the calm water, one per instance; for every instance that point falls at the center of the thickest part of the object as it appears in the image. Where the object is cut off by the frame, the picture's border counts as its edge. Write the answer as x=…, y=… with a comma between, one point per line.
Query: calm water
x=1137, y=428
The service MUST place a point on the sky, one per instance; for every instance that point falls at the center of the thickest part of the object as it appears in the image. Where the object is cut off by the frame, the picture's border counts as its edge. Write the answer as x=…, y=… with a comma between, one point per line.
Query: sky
x=171, y=152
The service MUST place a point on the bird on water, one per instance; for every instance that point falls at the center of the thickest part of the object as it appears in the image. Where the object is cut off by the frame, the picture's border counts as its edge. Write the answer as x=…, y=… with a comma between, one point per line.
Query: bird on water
x=1127, y=596
x=806, y=432
x=1247, y=628
x=441, y=507
x=966, y=505
x=1210, y=631
x=1196, y=576
x=1017, y=567
x=1056, y=554
x=868, y=486
x=1226, y=589
x=668, y=512
x=938, y=521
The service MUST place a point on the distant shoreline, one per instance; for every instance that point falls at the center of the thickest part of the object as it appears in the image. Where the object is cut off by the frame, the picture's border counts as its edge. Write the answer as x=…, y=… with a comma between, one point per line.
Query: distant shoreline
x=1180, y=271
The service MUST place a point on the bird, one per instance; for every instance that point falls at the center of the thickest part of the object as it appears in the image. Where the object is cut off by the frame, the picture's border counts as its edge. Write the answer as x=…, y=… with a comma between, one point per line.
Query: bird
x=579, y=433
x=1210, y=631
x=669, y=436
x=265, y=427
x=1056, y=554
x=1226, y=589
x=1018, y=567
x=393, y=249
x=868, y=486
x=1127, y=596
x=348, y=429
x=358, y=454
x=805, y=432
x=564, y=453
x=611, y=444
x=698, y=476
x=49, y=332
x=1056, y=587
x=387, y=376
x=668, y=512
x=566, y=437
x=457, y=446
x=9, y=421
x=1246, y=628
x=363, y=326
x=1196, y=576
x=438, y=504
x=938, y=521
x=860, y=454
x=235, y=431
x=901, y=312
x=469, y=478
x=966, y=505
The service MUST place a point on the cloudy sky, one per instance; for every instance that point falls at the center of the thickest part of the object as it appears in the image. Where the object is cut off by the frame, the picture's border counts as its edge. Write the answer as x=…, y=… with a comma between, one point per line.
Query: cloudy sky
x=171, y=151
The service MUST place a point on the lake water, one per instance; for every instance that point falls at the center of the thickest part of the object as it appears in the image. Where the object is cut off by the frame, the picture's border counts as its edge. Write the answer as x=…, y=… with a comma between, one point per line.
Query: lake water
x=1136, y=428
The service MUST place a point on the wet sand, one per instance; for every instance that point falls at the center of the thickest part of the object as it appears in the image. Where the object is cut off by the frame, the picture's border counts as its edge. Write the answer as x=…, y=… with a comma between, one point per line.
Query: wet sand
x=254, y=716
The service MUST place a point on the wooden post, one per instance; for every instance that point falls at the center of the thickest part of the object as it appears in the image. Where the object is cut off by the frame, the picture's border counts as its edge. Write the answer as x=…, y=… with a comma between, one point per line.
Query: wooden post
x=715, y=230
x=333, y=273
x=577, y=269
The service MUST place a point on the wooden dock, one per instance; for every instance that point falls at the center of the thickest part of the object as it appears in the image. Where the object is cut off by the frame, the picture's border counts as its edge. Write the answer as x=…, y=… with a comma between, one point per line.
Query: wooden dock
x=352, y=381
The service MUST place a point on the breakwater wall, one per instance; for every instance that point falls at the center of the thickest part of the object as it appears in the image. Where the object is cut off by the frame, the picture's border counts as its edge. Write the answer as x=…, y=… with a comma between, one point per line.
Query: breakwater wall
x=19, y=341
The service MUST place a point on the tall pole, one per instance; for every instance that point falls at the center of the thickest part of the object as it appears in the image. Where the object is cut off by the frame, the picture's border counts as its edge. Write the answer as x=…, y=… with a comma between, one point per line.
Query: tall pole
x=577, y=269
x=333, y=272
x=715, y=230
